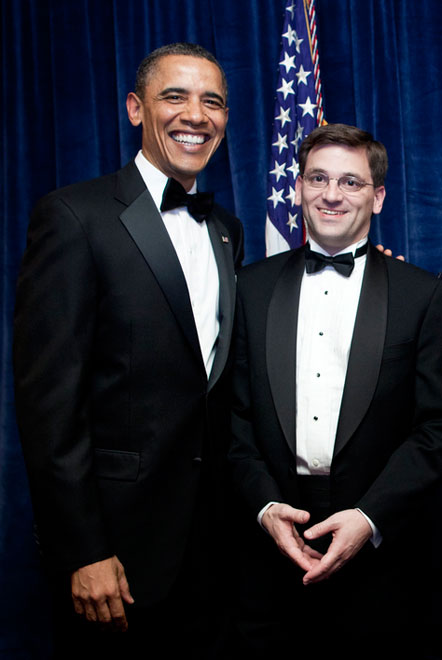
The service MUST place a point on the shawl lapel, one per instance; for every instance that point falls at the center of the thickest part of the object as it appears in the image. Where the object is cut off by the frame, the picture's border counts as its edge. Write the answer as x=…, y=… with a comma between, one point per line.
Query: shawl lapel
x=222, y=249
x=366, y=348
x=282, y=322
x=143, y=222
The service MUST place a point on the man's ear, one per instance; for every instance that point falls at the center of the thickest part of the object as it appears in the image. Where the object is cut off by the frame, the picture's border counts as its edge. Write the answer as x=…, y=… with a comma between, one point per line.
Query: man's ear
x=379, y=196
x=298, y=188
x=134, y=107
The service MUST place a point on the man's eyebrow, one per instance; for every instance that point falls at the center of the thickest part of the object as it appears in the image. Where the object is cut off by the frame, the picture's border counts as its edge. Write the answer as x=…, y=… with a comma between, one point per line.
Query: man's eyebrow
x=320, y=170
x=174, y=90
x=214, y=95
x=183, y=90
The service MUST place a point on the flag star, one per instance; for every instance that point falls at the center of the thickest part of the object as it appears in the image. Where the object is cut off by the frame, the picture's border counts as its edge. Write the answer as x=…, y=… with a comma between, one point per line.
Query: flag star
x=308, y=107
x=294, y=168
x=291, y=196
x=276, y=197
x=292, y=221
x=302, y=75
x=296, y=143
x=297, y=41
x=298, y=136
x=290, y=35
x=291, y=9
x=284, y=116
x=288, y=62
x=299, y=131
x=281, y=142
x=279, y=170
x=286, y=88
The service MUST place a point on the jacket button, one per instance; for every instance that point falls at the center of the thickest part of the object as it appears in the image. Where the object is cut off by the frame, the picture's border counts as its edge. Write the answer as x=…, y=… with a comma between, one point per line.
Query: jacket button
x=196, y=460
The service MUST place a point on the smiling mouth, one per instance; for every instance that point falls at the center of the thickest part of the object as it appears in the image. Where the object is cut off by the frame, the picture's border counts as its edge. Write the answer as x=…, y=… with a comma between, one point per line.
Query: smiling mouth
x=332, y=212
x=189, y=138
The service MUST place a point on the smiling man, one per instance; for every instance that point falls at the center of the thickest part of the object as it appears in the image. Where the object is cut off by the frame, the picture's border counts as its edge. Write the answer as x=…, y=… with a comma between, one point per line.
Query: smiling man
x=337, y=424
x=122, y=331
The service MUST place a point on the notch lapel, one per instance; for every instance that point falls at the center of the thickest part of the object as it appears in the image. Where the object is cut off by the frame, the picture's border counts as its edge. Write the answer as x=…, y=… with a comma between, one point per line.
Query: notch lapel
x=282, y=323
x=366, y=348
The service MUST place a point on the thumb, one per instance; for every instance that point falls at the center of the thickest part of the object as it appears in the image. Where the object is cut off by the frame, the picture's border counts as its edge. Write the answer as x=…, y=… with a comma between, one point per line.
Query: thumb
x=299, y=516
x=124, y=586
x=319, y=529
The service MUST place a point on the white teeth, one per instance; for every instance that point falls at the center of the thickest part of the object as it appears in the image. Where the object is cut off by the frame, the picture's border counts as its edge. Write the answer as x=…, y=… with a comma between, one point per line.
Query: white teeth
x=329, y=212
x=188, y=138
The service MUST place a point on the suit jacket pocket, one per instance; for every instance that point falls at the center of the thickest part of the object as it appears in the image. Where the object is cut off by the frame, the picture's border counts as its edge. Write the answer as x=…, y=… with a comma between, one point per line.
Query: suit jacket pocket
x=397, y=351
x=120, y=465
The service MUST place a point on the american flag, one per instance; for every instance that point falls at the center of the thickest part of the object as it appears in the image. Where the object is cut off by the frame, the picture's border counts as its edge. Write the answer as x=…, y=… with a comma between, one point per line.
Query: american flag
x=298, y=110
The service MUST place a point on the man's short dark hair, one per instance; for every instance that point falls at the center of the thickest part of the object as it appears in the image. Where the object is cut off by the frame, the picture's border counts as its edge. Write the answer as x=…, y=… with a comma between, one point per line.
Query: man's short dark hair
x=149, y=64
x=349, y=136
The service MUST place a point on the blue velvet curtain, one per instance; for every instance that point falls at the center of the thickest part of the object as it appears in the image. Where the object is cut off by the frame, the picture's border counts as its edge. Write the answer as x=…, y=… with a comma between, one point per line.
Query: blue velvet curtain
x=67, y=66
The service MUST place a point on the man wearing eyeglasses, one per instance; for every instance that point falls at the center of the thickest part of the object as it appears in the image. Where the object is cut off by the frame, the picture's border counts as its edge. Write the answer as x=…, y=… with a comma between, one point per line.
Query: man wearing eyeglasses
x=337, y=422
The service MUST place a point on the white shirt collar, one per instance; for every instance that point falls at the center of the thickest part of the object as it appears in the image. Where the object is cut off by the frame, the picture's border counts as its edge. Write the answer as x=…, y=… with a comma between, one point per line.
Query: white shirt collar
x=154, y=179
x=350, y=248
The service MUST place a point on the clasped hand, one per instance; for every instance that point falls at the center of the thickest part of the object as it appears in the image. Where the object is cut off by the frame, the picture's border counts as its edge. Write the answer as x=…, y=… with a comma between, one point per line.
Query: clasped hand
x=349, y=529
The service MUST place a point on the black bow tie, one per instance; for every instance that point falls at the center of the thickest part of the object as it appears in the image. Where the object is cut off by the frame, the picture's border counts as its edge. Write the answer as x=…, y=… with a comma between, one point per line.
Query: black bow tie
x=198, y=205
x=342, y=263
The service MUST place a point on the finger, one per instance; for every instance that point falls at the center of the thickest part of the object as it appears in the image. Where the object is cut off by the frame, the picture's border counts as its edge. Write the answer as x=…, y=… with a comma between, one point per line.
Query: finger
x=303, y=555
x=388, y=253
x=314, y=554
x=118, y=614
x=78, y=606
x=103, y=612
x=306, y=549
x=400, y=257
x=291, y=545
x=90, y=612
x=329, y=564
x=300, y=558
x=380, y=247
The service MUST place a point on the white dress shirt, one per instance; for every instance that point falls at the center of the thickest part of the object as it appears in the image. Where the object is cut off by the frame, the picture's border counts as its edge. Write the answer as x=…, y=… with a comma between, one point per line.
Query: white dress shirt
x=328, y=304
x=195, y=253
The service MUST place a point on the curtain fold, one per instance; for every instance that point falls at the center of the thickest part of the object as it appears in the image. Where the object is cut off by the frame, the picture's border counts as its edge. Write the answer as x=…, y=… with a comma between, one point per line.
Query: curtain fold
x=381, y=67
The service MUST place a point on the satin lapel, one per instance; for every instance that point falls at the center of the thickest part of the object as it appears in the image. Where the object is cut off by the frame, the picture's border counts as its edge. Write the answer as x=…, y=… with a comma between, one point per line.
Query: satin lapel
x=129, y=184
x=222, y=249
x=143, y=222
x=366, y=348
x=282, y=323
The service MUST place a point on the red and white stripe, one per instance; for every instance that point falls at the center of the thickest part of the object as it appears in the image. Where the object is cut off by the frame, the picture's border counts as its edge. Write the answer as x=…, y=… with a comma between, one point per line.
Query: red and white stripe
x=315, y=58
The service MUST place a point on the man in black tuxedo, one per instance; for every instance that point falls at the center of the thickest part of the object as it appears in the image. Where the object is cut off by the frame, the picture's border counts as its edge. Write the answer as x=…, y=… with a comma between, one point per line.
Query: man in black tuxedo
x=337, y=423
x=123, y=322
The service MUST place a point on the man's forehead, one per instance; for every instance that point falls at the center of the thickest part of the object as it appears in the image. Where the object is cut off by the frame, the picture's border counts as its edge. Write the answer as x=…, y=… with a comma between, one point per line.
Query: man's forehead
x=337, y=156
x=169, y=65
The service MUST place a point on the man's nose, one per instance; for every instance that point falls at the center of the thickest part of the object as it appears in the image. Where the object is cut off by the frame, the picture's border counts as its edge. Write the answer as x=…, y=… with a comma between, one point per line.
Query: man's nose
x=332, y=192
x=194, y=112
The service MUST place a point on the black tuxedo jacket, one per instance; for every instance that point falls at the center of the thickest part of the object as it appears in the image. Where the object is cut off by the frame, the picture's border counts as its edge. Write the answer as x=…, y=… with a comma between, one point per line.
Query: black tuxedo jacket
x=388, y=447
x=116, y=416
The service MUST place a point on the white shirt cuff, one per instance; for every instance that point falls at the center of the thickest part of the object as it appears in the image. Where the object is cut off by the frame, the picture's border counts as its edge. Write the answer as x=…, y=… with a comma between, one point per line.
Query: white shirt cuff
x=376, y=536
x=262, y=512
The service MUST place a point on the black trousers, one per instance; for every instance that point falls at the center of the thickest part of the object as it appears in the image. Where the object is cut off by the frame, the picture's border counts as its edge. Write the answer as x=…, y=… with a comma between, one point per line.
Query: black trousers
x=190, y=622
x=364, y=611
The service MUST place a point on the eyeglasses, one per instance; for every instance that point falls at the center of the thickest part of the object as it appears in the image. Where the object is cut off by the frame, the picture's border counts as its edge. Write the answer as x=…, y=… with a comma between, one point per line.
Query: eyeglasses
x=348, y=184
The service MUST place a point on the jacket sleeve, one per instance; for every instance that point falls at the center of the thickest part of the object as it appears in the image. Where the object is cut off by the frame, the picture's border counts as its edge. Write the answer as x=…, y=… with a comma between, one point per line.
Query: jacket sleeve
x=251, y=476
x=53, y=351
x=415, y=467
